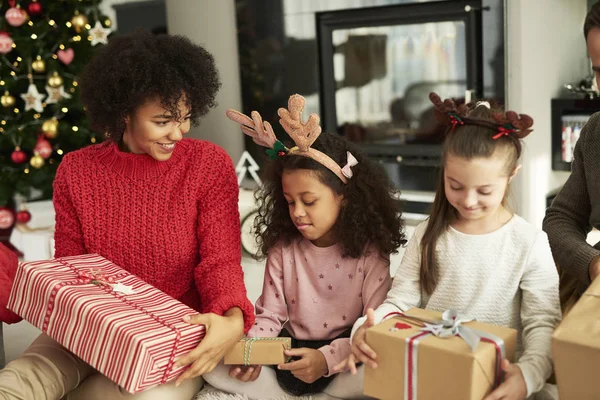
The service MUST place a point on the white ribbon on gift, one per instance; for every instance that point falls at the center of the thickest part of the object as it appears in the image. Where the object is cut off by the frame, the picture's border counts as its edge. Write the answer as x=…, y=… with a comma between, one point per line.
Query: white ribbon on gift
x=452, y=325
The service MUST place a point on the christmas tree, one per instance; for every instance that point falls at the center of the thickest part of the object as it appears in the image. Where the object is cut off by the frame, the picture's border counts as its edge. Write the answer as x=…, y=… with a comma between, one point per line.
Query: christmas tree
x=44, y=45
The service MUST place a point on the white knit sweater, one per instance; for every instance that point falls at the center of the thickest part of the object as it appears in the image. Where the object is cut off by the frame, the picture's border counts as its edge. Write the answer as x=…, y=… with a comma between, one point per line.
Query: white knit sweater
x=506, y=277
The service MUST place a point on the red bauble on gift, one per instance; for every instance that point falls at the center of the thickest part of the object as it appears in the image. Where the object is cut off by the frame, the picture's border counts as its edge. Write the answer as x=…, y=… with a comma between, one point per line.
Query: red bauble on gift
x=34, y=8
x=18, y=156
x=43, y=147
x=7, y=218
x=23, y=216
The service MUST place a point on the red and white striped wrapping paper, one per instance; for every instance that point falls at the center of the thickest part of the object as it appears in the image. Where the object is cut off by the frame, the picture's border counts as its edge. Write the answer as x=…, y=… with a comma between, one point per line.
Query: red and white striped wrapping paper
x=133, y=339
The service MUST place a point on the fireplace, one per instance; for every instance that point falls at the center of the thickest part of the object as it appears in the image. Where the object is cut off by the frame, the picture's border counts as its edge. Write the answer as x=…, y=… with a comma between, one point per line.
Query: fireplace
x=378, y=65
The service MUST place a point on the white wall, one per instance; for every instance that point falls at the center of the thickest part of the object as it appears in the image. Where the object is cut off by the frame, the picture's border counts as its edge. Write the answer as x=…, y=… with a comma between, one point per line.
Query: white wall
x=212, y=24
x=545, y=49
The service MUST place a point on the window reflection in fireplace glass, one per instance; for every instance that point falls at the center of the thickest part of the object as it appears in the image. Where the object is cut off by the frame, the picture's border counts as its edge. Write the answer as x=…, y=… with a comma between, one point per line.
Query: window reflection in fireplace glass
x=384, y=75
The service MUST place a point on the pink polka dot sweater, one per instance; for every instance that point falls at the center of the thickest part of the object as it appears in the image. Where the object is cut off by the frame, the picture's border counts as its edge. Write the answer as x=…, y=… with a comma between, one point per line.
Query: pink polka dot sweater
x=174, y=223
x=315, y=294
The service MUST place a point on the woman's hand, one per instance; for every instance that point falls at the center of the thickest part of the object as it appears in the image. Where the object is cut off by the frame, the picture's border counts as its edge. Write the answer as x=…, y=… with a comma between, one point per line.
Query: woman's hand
x=222, y=333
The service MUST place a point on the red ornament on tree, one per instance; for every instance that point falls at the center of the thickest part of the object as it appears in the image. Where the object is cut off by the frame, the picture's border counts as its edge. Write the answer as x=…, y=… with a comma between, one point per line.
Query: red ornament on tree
x=23, y=216
x=43, y=147
x=18, y=156
x=15, y=16
x=6, y=43
x=34, y=8
x=7, y=218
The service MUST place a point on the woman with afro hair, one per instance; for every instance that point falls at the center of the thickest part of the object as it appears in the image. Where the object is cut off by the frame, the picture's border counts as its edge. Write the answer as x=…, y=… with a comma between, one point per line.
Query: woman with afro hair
x=161, y=206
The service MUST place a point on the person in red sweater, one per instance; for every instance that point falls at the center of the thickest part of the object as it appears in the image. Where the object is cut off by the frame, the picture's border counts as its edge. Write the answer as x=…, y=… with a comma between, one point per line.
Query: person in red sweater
x=8, y=269
x=159, y=205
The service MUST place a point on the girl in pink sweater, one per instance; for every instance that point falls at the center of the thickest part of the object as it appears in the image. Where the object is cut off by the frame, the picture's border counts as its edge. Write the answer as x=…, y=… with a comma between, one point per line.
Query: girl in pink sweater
x=328, y=221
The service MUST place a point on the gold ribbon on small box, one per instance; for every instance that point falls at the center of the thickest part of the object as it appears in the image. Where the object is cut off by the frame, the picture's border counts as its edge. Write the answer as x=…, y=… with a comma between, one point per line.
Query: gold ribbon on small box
x=248, y=342
x=450, y=325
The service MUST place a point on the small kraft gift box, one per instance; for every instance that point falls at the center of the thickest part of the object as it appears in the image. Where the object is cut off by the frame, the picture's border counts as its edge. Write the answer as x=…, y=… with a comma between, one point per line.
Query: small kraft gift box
x=576, y=348
x=125, y=328
x=427, y=355
x=259, y=351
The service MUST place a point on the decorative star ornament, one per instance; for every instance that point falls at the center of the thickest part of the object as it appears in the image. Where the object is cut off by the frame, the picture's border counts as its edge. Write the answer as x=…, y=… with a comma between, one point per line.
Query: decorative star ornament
x=99, y=34
x=56, y=94
x=33, y=99
x=121, y=288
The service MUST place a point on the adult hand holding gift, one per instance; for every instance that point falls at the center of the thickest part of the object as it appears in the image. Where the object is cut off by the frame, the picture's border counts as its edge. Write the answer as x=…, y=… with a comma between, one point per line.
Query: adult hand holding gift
x=222, y=332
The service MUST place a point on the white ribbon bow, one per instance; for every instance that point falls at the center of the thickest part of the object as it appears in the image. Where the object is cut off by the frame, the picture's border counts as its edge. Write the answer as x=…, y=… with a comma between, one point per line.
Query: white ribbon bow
x=347, y=169
x=451, y=325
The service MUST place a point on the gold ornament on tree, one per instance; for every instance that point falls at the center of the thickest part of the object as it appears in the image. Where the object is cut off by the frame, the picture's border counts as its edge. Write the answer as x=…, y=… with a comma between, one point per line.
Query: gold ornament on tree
x=37, y=161
x=7, y=100
x=79, y=21
x=55, y=80
x=38, y=65
x=50, y=128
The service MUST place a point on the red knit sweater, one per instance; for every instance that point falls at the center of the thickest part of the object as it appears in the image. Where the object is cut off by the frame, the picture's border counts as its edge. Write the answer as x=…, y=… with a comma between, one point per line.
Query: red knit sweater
x=175, y=223
x=8, y=269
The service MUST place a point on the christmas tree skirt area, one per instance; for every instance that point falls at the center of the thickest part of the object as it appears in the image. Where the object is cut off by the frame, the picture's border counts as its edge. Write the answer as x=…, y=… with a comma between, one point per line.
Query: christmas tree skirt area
x=210, y=393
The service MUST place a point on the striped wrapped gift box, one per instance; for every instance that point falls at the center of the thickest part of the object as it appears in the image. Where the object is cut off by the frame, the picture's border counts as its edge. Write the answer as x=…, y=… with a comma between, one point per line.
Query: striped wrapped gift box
x=128, y=330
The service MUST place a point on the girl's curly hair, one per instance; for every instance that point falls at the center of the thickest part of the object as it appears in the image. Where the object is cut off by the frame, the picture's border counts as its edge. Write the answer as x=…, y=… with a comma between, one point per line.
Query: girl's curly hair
x=132, y=69
x=371, y=212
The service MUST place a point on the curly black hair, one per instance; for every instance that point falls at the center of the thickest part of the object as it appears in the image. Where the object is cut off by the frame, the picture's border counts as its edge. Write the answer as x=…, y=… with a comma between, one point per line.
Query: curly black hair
x=134, y=68
x=371, y=212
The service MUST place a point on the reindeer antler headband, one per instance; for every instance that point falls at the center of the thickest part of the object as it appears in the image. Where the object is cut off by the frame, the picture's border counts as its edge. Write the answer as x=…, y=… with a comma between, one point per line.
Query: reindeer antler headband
x=508, y=123
x=303, y=134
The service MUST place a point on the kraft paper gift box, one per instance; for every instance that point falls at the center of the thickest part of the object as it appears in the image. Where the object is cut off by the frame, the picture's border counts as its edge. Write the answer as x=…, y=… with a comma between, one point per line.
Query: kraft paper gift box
x=123, y=327
x=576, y=348
x=258, y=351
x=412, y=360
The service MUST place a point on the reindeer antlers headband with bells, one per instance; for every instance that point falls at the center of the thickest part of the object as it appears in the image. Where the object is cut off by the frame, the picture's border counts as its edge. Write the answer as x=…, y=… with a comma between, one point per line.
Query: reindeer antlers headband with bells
x=303, y=134
x=506, y=124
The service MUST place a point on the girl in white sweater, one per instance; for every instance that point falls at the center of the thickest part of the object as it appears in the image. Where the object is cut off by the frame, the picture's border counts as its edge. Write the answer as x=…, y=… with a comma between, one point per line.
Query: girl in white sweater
x=475, y=256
